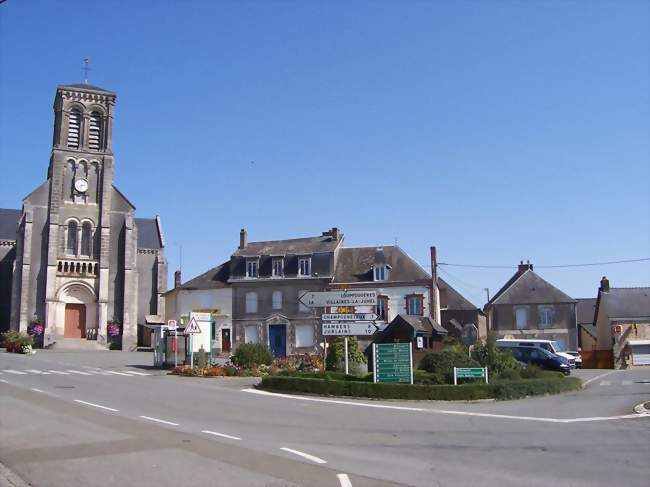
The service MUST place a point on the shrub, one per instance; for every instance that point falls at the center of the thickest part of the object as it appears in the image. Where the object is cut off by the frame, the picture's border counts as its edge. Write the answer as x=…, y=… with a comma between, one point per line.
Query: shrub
x=441, y=363
x=496, y=359
x=510, y=374
x=249, y=355
x=17, y=342
x=299, y=362
x=336, y=354
x=424, y=377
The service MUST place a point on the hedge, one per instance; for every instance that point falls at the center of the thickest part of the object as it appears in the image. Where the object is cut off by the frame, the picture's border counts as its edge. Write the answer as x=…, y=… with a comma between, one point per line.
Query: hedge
x=468, y=392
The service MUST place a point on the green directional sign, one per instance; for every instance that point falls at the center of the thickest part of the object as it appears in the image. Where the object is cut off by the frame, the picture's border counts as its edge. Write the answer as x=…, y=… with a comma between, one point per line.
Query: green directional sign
x=393, y=362
x=470, y=373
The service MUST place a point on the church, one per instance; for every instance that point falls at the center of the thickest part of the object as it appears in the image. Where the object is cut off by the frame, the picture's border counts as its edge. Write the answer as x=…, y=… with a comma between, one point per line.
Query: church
x=75, y=258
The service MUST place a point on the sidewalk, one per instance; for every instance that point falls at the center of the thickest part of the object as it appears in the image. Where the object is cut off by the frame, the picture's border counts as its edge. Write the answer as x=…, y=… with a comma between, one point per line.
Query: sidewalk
x=10, y=479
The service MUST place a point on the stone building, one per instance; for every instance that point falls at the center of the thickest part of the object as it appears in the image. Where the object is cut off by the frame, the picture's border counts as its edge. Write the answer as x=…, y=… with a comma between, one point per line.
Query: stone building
x=75, y=254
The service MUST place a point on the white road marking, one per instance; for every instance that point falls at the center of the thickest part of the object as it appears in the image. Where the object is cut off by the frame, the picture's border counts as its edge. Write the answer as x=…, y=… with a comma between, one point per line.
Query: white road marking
x=118, y=373
x=208, y=432
x=37, y=390
x=159, y=420
x=627, y=382
x=59, y=372
x=96, y=405
x=344, y=480
x=4, y=381
x=17, y=372
x=304, y=455
x=589, y=381
x=135, y=372
x=33, y=371
x=77, y=372
x=442, y=411
x=605, y=383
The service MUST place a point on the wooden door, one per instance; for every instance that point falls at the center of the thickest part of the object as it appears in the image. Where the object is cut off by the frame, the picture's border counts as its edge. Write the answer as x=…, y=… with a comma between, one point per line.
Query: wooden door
x=75, y=321
x=225, y=340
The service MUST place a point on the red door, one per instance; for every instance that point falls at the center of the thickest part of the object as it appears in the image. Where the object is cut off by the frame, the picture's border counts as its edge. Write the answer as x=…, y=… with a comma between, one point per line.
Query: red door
x=225, y=340
x=75, y=321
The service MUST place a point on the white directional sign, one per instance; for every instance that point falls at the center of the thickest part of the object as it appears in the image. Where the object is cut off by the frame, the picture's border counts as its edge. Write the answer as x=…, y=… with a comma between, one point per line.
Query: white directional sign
x=348, y=328
x=349, y=316
x=339, y=298
x=192, y=327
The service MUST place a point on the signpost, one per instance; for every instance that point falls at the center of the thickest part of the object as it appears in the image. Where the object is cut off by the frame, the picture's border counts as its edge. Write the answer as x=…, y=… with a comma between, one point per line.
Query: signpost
x=191, y=329
x=470, y=373
x=393, y=362
x=173, y=325
x=338, y=298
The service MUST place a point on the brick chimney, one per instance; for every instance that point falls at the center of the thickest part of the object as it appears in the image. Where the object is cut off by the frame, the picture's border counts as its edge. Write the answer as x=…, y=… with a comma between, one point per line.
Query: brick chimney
x=243, y=238
x=604, y=284
x=333, y=232
x=524, y=267
x=177, y=279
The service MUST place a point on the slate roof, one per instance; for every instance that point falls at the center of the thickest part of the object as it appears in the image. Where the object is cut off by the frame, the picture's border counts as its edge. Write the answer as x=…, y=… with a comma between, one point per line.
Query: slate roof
x=528, y=288
x=215, y=278
x=452, y=299
x=9, y=223
x=148, y=235
x=307, y=245
x=627, y=302
x=586, y=311
x=87, y=87
x=421, y=324
x=354, y=264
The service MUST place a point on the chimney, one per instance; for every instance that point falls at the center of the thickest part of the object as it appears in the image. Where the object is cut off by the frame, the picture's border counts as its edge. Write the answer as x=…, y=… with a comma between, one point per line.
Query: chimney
x=604, y=284
x=524, y=267
x=243, y=238
x=177, y=279
x=434, y=304
x=335, y=233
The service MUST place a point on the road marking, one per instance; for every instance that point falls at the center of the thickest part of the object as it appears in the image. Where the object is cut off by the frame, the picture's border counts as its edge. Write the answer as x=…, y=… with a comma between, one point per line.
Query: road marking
x=4, y=381
x=17, y=372
x=33, y=371
x=77, y=372
x=443, y=411
x=135, y=372
x=605, y=383
x=159, y=420
x=627, y=382
x=96, y=405
x=589, y=381
x=37, y=390
x=60, y=372
x=208, y=432
x=118, y=373
x=304, y=455
x=344, y=480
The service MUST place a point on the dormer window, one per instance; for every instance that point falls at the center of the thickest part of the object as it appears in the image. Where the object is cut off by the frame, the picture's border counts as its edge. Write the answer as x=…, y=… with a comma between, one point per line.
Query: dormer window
x=381, y=272
x=304, y=266
x=252, y=268
x=277, y=269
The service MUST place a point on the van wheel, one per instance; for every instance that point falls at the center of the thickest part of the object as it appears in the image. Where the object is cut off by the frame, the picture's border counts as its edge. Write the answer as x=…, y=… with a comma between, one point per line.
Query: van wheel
x=566, y=372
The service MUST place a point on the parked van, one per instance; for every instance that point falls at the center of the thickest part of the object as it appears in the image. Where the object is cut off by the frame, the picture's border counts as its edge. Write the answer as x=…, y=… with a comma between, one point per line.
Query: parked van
x=548, y=345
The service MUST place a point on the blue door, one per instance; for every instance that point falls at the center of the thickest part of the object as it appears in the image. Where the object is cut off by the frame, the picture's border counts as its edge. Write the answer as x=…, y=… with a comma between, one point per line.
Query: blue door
x=278, y=340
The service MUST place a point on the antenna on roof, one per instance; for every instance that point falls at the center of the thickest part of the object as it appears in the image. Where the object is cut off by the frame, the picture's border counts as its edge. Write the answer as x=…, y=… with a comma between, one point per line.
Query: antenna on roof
x=86, y=68
x=395, y=241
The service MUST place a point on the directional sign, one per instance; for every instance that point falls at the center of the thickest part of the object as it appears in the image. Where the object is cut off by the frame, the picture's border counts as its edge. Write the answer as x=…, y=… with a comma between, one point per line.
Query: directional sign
x=470, y=373
x=393, y=362
x=192, y=327
x=349, y=328
x=349, y=317
x=339, y=298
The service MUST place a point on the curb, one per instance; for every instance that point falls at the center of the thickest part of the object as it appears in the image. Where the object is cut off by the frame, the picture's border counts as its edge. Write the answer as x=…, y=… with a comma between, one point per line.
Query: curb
x=643, y=408
x=9, y=478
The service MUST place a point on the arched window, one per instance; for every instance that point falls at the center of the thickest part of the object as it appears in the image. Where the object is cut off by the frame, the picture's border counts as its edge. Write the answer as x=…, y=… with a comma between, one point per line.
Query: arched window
x=74, y=128
x=95, y=131
x=86, y=238
x=71, y=247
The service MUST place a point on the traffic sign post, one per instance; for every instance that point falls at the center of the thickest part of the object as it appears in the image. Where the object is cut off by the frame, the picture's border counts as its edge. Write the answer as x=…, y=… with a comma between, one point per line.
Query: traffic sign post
x=173, y=325
x=393, y=362
x=191, y=329
x=349, y=317
x=470, y=373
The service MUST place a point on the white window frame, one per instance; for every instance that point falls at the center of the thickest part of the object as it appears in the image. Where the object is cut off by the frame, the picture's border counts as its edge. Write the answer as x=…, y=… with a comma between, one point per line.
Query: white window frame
x=254, y=266
x=380, y=273
x=276, y=299
x=385, y=300
x=518, y=310
x=546, y=312
x=280, y=263
x=415, y=298
x=251, y=334
x=306, y=260
x=305, y=336
x=251, y=302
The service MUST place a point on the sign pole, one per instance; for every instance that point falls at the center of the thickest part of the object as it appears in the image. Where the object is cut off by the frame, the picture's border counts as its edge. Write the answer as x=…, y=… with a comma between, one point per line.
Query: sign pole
x=411, y=360
x=175, y=348
x=486, y=375
x=374, y=363
x=346, y=356
x=455, y=381
x=191, y=352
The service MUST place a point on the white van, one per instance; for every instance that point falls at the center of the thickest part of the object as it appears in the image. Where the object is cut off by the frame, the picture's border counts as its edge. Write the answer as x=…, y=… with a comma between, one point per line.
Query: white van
x=550, y=345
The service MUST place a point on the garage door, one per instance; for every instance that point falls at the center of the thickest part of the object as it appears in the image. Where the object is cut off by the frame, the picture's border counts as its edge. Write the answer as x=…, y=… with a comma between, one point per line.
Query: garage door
x=640, y=354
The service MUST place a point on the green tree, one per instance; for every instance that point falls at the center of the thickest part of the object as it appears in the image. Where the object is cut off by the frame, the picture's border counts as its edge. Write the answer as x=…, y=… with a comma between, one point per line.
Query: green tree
x=336, y=355
x=497, y=360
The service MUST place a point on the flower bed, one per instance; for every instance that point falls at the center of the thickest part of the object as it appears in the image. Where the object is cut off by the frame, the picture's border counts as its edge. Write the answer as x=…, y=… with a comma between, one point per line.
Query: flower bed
x=16, y=342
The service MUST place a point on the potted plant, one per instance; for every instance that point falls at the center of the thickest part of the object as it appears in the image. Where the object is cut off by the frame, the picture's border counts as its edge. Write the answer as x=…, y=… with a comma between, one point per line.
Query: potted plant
x=114, y=332
x=36, y=330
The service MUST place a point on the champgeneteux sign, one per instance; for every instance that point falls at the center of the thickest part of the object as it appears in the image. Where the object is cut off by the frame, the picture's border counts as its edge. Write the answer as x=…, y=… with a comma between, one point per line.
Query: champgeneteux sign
x=339, y=298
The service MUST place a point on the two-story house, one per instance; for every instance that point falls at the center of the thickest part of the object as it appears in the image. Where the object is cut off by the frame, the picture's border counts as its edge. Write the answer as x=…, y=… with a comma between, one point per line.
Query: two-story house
x=527, y=306
x=267, y=278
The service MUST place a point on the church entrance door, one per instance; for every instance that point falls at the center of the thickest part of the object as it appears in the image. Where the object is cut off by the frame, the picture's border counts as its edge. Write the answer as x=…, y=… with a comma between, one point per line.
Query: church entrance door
x=75, y=321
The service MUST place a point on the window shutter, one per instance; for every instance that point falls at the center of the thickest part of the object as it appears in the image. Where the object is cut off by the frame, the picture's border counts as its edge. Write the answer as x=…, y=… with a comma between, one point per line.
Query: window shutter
x=95, y=131
x=74, y=127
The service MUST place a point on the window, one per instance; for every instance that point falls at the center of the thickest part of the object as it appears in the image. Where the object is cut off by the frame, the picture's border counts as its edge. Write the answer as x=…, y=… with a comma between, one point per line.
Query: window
x=381, y=273
x=71, y=246
x=277, y=299
x=74, y=128
x=250, y=334
x=251, y=268
x=414, y=305
x=251, y=302
x=302, y=307
x=86, y=239
x=304, y=336
x=382, y=307
x=277, y=269
x=521, y=318
x=95, y=131
x=545, y=316
x=304, y=267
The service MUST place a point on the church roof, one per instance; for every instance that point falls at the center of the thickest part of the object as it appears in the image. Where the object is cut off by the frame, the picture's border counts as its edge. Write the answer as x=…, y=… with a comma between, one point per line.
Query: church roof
x=86, y=87
x=148, y=233
x=9, y=223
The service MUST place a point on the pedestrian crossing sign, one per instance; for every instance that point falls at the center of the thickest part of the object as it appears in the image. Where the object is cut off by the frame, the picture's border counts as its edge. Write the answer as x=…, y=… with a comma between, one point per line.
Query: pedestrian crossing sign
x=193, y=326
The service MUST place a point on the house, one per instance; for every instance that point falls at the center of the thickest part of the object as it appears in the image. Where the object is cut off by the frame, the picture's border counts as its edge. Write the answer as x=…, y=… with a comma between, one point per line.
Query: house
x=622, y=320
x=460, y=316
x=268, y=277
x=585, y=313
x=527, y=306
x=209, y=293
x=75, y=257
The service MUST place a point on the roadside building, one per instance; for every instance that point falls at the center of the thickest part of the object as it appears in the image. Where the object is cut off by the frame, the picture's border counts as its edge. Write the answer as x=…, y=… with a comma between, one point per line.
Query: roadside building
x=459, y=315
x=75, y=257
x=585, y=313
x=622, y=320
x=527, y=306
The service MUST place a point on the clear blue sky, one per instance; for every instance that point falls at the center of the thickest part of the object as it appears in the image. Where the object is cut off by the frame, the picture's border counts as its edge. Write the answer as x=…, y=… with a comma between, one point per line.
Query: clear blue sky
x=497, y=130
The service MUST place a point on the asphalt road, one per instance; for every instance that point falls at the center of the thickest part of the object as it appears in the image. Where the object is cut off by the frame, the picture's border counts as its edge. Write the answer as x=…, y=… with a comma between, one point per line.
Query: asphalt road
x=98, y=418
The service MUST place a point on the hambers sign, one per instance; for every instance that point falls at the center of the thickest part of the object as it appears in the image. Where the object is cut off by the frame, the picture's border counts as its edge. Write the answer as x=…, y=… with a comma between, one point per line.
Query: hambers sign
x=339, y=298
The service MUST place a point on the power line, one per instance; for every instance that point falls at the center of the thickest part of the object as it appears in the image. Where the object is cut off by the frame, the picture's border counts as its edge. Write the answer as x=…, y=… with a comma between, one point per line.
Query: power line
x=558, y=266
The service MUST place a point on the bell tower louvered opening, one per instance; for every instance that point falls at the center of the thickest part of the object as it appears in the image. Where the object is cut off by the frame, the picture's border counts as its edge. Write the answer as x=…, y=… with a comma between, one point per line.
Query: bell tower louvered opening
x=74, y=129
x=95, y=131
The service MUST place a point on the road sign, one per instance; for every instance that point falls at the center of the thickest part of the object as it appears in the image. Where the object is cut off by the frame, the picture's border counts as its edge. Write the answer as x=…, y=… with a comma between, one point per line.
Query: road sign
x=469, y=335
x=393, y=362
x=349, y=316
x=349, y=328
x=171, y=325
x=470, y=373
x=192, y=327
x=339, y=298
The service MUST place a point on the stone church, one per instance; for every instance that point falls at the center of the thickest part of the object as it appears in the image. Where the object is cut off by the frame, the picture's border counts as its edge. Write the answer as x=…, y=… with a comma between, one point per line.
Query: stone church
x=75, y=257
